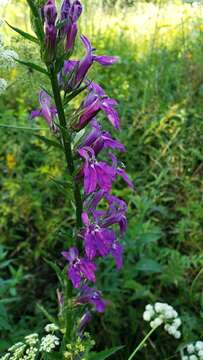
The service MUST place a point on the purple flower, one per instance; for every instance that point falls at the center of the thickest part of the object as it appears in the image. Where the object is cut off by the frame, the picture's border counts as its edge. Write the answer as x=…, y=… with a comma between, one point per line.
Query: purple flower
x=121, y=172
x=117, y=253
x=96, y=172
x=79, y=268
x=99, y=139
x=89, y=108
x=50, y=15
x=65, y=10
x=86, y=318
x=106, y=104
x=98, y=241
x=95, y=101
x=115, y=214
x=88, y=60
x=99, y=173
x=81, y=67
x=70, y=13
x=93, y=297
x=47, y=111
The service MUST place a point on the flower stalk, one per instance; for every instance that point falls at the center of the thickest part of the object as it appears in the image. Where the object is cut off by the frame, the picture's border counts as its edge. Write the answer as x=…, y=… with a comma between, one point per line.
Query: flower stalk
x=141, y=344
x=66, y=137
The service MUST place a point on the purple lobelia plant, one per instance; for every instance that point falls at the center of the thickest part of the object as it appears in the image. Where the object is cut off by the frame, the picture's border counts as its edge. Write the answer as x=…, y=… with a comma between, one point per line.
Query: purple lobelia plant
x=100, y=216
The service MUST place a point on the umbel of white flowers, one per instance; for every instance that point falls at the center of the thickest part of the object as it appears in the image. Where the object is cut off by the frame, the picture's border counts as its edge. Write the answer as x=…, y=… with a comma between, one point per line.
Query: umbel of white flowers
x=162, y=313
x=32, y=345
x=7, y=60
x=193, y=351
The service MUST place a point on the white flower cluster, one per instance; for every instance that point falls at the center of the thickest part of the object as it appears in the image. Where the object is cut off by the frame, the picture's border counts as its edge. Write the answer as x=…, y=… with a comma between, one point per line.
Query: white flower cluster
x=3, y=85
x=162, y=313
x=51, y=328
x=49, y=342
x=193, y=351
x=32, y=346
x=7, y=58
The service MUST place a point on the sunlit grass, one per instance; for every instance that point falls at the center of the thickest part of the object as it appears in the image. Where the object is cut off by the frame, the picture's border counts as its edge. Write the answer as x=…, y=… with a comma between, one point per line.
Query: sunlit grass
x=141, y=25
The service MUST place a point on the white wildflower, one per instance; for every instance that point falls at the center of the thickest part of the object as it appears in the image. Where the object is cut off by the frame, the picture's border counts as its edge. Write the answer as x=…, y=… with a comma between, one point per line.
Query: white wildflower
x=3, y=85
x=193, y=351
x=193, y=357
x=32, y=339
x=5, y=357
x=51, y=328
x=7, y=58
x=190, y=348
x=199, y=345
x=162, y=313
x=1, y=42
x=15, y=347
x=49, y=342
x=147, y=316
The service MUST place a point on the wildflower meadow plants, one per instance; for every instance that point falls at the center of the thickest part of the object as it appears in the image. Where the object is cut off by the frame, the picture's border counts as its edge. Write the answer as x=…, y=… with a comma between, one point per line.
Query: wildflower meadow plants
x=92, y=167
x=92, y=161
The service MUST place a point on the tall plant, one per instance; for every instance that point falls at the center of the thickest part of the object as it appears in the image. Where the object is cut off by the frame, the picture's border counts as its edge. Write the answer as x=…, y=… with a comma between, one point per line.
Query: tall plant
x=100, y=216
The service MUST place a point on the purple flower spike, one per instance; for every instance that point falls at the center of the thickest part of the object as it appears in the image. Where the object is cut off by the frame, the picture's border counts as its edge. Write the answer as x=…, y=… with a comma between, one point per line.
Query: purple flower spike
x=50, y=15
x=79, y=268
x=93, y=297
x=96, y=173
x=70, y=13
x=47, y=111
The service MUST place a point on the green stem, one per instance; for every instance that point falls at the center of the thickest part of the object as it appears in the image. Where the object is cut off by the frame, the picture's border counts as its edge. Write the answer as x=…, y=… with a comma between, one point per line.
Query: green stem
x=66, y=138
x=142, y=343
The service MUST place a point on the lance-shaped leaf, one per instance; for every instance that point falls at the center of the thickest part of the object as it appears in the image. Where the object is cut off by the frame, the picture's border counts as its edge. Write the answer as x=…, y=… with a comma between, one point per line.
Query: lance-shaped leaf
x=74, y=94
x=60, y=274
x=46, y=313
x=24, y=34
x=33, y=66
x=49, y=142
x=37, y=20
x=103, y=354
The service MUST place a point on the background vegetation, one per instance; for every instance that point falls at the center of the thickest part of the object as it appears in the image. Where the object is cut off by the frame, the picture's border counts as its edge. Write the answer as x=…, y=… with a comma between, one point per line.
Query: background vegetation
x=159, y=84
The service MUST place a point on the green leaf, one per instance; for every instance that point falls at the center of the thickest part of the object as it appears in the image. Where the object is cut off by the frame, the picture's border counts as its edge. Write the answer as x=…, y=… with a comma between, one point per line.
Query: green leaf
x=49, y=142
x=103, y=354
x=33, y=66
x=23, y=33
x=54, y=356
x=74, y=94
x=37, y=20
x=57, y=270
x=148, y=266
x=46, y=313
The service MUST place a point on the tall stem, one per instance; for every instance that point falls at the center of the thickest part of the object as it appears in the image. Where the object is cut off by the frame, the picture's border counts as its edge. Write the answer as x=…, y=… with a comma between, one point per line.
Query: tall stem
x=66, y=138
x=142, y=343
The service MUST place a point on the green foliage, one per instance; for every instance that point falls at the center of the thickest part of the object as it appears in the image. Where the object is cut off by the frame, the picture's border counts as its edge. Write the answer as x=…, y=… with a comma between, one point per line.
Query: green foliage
x=158, y=82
